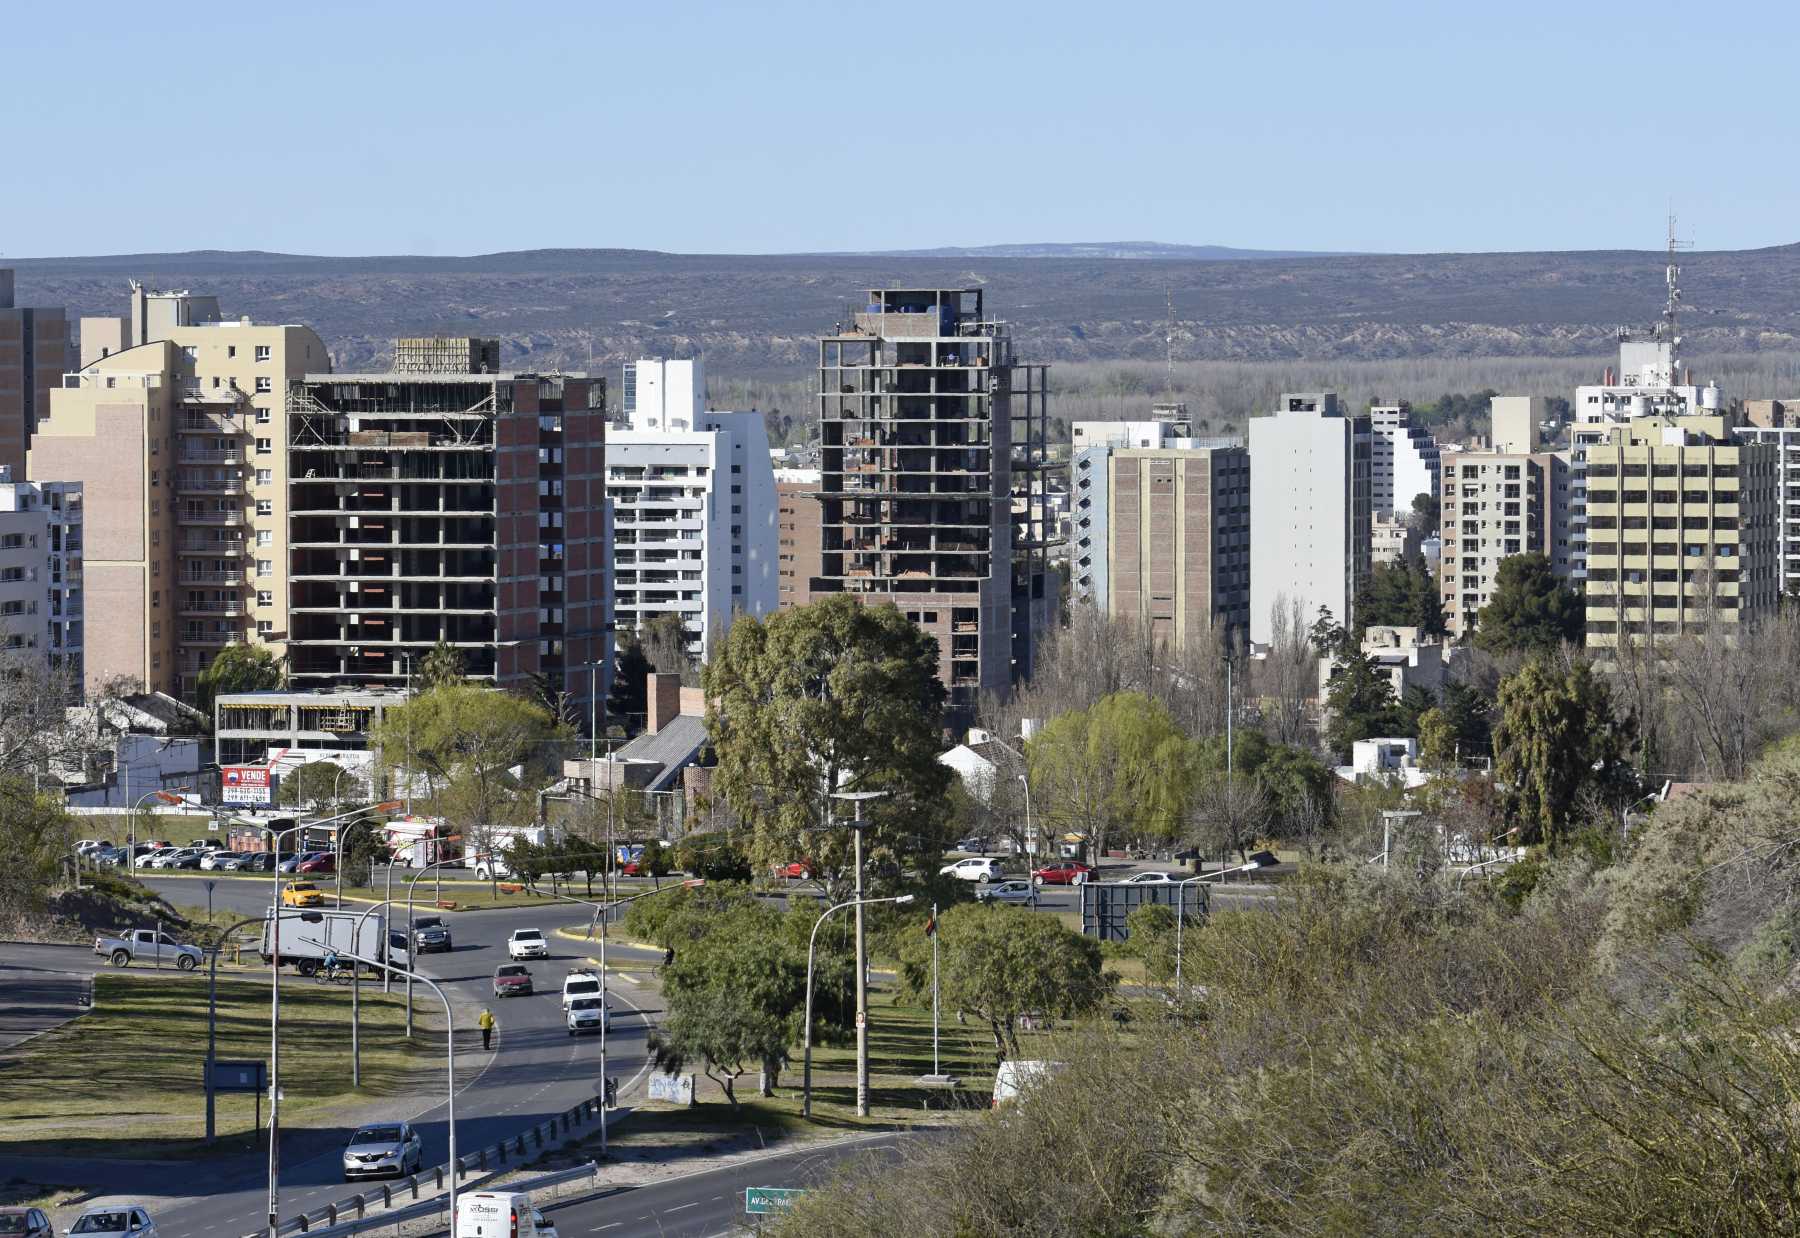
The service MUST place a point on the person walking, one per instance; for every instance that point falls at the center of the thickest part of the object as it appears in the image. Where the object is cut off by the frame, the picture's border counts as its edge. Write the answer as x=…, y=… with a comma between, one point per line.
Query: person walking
x=486, y=1024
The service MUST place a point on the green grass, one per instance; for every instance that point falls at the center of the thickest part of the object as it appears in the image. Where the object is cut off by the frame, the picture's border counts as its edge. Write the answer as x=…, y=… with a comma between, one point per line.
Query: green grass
x=177, y=828
x=124, y=1080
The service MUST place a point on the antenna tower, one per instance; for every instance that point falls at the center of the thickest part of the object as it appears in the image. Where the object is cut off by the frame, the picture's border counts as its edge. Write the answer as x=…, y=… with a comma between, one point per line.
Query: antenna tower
x=1672, y=277
x=1169, y=344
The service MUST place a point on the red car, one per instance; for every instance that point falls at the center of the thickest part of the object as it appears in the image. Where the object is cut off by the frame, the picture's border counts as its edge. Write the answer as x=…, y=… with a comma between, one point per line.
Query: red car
x=324, y=862
x=512, y=980
x=797, y=870
x=1062, y=873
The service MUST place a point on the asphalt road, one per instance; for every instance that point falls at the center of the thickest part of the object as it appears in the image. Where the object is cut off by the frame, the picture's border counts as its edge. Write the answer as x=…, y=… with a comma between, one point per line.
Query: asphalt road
x=535, y=1071
x=43, y=986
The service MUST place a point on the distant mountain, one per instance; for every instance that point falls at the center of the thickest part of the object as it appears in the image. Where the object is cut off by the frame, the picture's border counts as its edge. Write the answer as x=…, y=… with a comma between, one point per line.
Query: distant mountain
x=761, y=315
x=1104, y=249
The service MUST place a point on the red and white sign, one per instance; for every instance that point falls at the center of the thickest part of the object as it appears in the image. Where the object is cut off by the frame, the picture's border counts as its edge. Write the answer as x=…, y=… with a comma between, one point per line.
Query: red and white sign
x=244, y=784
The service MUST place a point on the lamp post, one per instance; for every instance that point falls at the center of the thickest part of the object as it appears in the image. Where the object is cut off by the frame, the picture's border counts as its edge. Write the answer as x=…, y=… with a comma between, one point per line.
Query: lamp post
x=449, y=1068
x=812, y=942
x=1030, y=837
x=602, y=912
x=212, y=1014
x=167, y=797
x=1262, y=859
x=337, y=836
x=275, y=1032
x=858, y=798
x=412, y=941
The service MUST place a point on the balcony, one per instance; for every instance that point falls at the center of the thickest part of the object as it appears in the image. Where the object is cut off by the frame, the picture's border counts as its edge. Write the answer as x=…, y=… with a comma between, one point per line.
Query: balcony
x=210, y=518
x=192, y=455
x=210, y=578
x=235, y=608
x=187, y=483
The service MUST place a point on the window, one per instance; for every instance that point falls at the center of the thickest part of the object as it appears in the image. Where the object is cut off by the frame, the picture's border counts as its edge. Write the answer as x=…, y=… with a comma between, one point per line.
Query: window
x=265, y=567
x=264, y=626
x=231, y=350
x=265, y=597
x=264, y=476
x=265, y=507
x=263, y=352
x=262, y=416
x=264, y=446
x=265, y=537
x=264, y=384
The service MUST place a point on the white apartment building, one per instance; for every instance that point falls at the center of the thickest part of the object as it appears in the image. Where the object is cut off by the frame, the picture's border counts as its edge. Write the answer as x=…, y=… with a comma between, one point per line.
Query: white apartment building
x=694, y=506
x=1777, y=423
x=40, y=570
x=1403, y=459
x=1309, y=509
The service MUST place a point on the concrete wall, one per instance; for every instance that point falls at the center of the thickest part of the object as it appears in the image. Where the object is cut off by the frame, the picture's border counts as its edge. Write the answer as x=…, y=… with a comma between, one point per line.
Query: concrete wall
x=1308, y=536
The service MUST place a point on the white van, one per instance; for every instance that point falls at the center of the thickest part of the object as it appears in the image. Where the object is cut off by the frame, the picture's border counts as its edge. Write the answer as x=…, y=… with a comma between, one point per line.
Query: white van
x=1012, y=1077
x=500, y=1214
x=580, y=982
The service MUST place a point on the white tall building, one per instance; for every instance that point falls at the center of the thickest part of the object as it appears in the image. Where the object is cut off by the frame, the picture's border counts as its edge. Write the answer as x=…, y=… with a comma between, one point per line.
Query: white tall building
x=40, y=569
x=1403, y=461
x=694, y=508
x=1309, y=509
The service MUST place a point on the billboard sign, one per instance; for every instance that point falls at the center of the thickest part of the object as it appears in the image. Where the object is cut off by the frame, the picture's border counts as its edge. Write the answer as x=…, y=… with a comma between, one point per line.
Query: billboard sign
x=244, y=784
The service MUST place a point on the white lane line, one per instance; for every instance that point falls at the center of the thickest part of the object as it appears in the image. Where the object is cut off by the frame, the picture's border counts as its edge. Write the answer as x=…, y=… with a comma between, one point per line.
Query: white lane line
x=679, y=1207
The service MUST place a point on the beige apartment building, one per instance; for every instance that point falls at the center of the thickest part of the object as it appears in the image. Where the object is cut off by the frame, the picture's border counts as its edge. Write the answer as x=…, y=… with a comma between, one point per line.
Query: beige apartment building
x=1682, y=530
x=179, y=442
x=1494, y=505
x=1178, y=541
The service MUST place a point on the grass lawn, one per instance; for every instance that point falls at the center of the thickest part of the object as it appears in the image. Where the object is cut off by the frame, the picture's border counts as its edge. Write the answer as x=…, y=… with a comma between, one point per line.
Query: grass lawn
x=124, y=1080
x=178, y=828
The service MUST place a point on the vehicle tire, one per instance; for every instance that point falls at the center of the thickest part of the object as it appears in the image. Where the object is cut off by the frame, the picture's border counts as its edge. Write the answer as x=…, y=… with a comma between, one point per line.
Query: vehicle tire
x=307, y=967
x=184, y=962
x=121, y=958
x=984, y=879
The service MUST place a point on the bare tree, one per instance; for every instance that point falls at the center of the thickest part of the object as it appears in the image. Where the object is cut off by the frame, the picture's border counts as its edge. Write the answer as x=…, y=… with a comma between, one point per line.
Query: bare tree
x=1287, y=678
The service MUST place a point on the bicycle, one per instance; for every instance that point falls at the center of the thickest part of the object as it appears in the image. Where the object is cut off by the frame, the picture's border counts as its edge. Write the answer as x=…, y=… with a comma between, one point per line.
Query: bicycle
x=342, y=973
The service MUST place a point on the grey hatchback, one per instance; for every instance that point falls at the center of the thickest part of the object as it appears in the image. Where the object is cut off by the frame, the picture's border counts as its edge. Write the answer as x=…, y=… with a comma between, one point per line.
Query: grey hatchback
x=384, y=1148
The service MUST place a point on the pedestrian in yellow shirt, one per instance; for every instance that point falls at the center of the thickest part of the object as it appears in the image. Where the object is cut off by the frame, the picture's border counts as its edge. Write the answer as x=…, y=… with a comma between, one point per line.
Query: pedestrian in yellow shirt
x=486, y=1024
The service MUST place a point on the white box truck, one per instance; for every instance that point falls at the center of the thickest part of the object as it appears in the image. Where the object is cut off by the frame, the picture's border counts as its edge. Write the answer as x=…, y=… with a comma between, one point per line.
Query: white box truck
x=499, y=1214
x=308, y=935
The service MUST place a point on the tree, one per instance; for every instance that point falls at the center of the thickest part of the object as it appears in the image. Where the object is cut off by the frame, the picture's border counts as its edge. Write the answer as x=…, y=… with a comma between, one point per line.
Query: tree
x=630, y=669
x=443, y=667
x=324, y=785
x=735, y=1001
x=822, y=698
x=36, y=835
x=1289, y=676
x=1532, y=610
x=1150, y=934
x=1437, y=740
x=236, y=668
x=1120, y=767
x=1427, y=513
x=998, y=963
x=1402, y=594
x=664, y=643
x=1359, y=699
x=1557, y=738
x=1284, y=789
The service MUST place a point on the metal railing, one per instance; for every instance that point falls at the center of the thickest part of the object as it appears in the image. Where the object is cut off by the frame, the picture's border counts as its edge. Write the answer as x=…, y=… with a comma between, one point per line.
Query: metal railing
x=376, y=1208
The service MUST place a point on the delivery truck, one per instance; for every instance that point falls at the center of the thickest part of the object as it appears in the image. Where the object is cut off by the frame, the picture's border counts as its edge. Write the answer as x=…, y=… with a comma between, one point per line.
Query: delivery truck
x=308, y=936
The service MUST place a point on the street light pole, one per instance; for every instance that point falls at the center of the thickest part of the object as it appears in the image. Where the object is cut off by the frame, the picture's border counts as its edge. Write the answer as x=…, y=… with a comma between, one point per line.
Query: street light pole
x=812, y=943
x=131, y=821
x=212, y=1014
x=412, y=941
x=275, y=1033
x=862, y=952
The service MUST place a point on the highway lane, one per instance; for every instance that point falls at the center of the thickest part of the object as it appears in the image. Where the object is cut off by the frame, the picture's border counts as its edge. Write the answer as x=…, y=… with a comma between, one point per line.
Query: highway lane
x=535, y=1071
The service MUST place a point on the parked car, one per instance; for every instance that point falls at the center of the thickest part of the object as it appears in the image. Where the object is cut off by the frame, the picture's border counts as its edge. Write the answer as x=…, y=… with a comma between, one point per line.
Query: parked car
x=149, y=858
x=147, y=945
x=430, y=933
x=187, y=857
x=587, y=1014
x=206, y=844
x=580, y=982
x=83, y=846
x=974, y=844
x=1063, y=873
x=1008, y=892
x=25, y=1223
x=1151, y=879
x=385, y=1148
x=321, y=863
x=512, y=980
x=293, y=862
x=115, y=1221
x=796, y=870
x=301, y=894
x=258, y=862
x=975, y=868
x=102, y=857
x=218, y=861
x=527, y=943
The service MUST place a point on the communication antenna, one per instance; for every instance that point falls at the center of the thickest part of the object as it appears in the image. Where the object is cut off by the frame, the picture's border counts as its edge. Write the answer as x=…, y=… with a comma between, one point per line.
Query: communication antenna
x=1169, y=343
x=1672, y=276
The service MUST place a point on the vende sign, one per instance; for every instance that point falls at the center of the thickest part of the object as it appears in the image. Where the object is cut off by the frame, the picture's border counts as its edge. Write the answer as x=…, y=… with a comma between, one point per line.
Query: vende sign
x=244, y=784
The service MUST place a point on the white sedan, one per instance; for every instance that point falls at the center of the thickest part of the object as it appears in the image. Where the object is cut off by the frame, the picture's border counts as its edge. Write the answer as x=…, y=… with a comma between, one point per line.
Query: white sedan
x=527, y=944
x=975, y=868
x=1150, y=879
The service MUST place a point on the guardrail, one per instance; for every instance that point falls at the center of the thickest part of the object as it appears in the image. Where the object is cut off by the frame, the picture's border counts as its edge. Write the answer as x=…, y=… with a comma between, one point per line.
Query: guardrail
x=375, y=1208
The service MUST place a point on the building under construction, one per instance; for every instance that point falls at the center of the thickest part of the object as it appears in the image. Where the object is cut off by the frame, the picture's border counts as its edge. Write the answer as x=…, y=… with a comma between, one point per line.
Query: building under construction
x=932, y=481
x=467, y=508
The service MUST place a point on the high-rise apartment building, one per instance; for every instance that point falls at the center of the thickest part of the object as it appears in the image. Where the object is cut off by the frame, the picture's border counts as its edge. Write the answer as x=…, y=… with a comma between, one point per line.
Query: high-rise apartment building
x=933, y=471
x=467, y=508
x=797, y=545
x=1310, y=509
x=1403, y=459
x=1682, y=530
x=34, y=352
x=1495, y=504
x=40, y=571
x=694, y=507
x=176, y=437
x=1776, y=424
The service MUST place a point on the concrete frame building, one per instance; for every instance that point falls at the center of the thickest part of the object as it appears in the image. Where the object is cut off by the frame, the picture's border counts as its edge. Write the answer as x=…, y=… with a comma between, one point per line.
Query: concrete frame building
x=933, y=472
x=176, y=441
x=1403, y=459
x=694, y=507
x=456, y=507
x=1682, y=530
x=283, y=727
x=1496, y=504
x=797, y=544
x=34, y=353
x=1309, y=507
x=1776, y=424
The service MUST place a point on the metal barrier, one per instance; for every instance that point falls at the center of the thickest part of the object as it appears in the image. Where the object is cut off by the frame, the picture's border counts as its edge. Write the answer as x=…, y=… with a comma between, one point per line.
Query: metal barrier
x=475, y=1163
x=429, y=1208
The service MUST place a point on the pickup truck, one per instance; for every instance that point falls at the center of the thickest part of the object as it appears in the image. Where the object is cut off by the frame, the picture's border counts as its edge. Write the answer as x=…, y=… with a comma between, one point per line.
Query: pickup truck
x=150, y=946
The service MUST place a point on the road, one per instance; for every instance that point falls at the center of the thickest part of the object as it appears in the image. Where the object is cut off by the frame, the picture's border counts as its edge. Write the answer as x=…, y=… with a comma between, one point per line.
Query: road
x=535, y=1071
x=44, y=987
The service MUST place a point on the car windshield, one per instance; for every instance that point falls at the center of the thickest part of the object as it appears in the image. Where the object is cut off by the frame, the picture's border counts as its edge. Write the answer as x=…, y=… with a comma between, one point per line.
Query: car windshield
x=377, y=1134
x=582, y=986
x=12, y=1223
x=102, y=1223
x=302, y=885
x=514, y=970
x=585, y=1003
x=428, y=922
x=528, y=935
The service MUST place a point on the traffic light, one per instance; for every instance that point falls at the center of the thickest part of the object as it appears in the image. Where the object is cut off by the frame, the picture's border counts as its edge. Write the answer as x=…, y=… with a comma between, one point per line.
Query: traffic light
x=612, y=1092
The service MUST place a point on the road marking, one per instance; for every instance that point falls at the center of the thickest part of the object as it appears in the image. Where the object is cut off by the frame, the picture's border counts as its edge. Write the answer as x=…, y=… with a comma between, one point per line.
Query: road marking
x=679, y=1207
x=608, y=1225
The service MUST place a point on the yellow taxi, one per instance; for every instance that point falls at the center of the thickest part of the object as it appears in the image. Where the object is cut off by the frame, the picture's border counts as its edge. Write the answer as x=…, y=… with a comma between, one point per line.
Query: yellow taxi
x=301, y=894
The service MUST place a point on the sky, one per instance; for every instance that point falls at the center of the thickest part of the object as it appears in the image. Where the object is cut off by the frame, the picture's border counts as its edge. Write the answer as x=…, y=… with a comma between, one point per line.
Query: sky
x=461, y=128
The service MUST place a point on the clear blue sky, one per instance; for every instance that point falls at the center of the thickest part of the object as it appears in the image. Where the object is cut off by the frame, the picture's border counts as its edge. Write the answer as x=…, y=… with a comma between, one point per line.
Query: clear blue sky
x=450, y=127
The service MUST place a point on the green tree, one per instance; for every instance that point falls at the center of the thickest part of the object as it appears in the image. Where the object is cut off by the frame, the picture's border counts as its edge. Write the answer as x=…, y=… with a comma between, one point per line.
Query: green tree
x=999, y=963
x=1532, y=610
x=1402, y=594
x=1557, y=737
x=1437, y=740
x=36, y=835
x=324, y=785
x=1119, y=767
x=1295, y=787
x=1359, y=699
x=364, y=847
x=630, y=669
x=236, y=668
x=713, y=856
x=736, y=996
x=1427, y=514
x=831, y=696
x=664, y=644
x=443, y=667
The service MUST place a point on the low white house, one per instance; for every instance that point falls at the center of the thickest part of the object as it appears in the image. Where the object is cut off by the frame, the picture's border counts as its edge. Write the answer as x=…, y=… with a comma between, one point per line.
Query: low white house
x=1384, y=760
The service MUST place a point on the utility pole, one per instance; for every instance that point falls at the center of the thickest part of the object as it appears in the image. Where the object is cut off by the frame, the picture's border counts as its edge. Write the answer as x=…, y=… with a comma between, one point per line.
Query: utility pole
x=862, y=979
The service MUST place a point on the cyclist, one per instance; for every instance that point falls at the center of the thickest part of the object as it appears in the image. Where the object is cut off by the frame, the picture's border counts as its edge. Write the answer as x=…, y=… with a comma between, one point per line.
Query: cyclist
x=331, y=963
x=669, y=957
